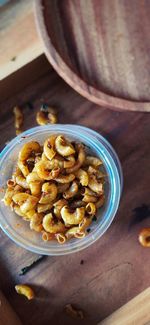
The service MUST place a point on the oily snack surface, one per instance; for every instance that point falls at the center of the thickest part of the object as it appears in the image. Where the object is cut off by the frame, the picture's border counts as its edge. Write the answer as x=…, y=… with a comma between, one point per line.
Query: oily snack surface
x=57, y=187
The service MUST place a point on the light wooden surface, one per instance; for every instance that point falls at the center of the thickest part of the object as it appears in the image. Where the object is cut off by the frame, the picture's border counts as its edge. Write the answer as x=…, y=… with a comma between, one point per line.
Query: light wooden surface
x=7, y=314
x=100, y=48
x=135, y=312
x=19, y=42
x=116, y=268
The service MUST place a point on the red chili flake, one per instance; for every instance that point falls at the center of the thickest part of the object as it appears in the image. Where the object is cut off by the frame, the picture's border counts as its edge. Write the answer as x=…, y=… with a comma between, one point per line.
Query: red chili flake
x=24, y=136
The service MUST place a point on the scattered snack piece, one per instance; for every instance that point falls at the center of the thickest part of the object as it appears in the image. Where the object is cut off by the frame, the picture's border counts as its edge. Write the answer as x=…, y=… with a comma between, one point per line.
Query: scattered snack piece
x=18, y=119
x=13, y=58
x=56, y=200
x=82, y=262
x=18, y=131
x=144, y=237
x=18, y=225
x=73, y=312
x=25, y=290
x=46, y=115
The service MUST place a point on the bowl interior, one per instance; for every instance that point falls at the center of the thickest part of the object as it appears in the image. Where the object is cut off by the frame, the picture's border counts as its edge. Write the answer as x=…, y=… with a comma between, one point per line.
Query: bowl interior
x=99, y=47
x=18, y=229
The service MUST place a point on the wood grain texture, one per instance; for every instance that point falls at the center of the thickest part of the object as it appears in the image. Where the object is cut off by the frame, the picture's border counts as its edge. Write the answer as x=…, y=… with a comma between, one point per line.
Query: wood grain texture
x=135, y=311
x=116, y=267
x=100, y=47
x=27, y=74
x=19, y=42
x=7, y=314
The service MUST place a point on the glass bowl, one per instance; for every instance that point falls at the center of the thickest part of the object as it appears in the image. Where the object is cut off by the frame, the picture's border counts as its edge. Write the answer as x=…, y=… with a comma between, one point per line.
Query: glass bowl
x=18, y=230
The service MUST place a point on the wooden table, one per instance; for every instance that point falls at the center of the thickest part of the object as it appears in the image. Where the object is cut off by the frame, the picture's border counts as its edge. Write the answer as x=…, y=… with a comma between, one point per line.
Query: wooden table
x=19, y=40
x=116, y=267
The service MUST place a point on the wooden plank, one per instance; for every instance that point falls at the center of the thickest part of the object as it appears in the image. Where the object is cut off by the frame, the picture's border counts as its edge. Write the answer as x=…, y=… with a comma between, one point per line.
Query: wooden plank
x=136, y=311
x=27, y=74
x=116, y=268
x=7, y=314
x=19, y=42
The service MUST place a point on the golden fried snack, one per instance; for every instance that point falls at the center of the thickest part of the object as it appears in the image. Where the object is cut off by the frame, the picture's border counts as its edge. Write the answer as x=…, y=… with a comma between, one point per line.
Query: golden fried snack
x=56, y=188
x=144, y=237
x=25, y=290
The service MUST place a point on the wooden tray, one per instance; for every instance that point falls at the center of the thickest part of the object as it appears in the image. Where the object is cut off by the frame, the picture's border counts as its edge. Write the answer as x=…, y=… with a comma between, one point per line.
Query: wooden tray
x=17, y=46
x=136, y=311
x=100, y=48
x=105, y=276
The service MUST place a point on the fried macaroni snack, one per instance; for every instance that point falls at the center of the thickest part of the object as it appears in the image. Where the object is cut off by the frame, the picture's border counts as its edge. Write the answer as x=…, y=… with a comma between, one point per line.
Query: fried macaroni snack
x=57, y=188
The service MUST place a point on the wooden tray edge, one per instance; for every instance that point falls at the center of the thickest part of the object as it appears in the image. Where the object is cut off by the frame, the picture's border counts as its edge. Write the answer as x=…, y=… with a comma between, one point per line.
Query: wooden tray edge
x=75, y=81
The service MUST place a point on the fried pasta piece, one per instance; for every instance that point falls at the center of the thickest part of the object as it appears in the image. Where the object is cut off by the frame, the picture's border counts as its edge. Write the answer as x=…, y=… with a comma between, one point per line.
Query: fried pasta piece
x=73, y=312
x=56, y=188
x=25, y=290
x=51, y=226
x=18, y=119
x=46, y=115
x=144, y=237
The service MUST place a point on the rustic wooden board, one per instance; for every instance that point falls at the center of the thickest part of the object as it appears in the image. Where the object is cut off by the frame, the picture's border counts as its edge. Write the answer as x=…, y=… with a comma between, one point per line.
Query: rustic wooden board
x=116, y=268
x=100, y=48
x=7, y=314
x=136, y=311
x=19, y=42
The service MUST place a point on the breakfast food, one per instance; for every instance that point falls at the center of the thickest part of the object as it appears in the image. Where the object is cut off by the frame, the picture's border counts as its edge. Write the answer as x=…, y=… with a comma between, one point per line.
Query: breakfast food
x=57, y=188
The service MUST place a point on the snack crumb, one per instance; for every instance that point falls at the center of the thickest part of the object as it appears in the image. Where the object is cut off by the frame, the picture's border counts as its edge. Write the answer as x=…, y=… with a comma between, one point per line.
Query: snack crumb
x=18, y=225
x=24, y=137
x=13, y=58
x=82, y=262
x=88, y=230
x=73, y=312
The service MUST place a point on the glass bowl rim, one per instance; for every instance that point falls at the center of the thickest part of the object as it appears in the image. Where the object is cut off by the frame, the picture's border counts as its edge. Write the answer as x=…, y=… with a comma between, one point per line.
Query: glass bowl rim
x=115, y=170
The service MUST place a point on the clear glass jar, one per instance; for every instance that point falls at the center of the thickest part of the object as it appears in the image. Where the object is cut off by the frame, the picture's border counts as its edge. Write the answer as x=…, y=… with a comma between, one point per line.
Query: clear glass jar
x=18, y=230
